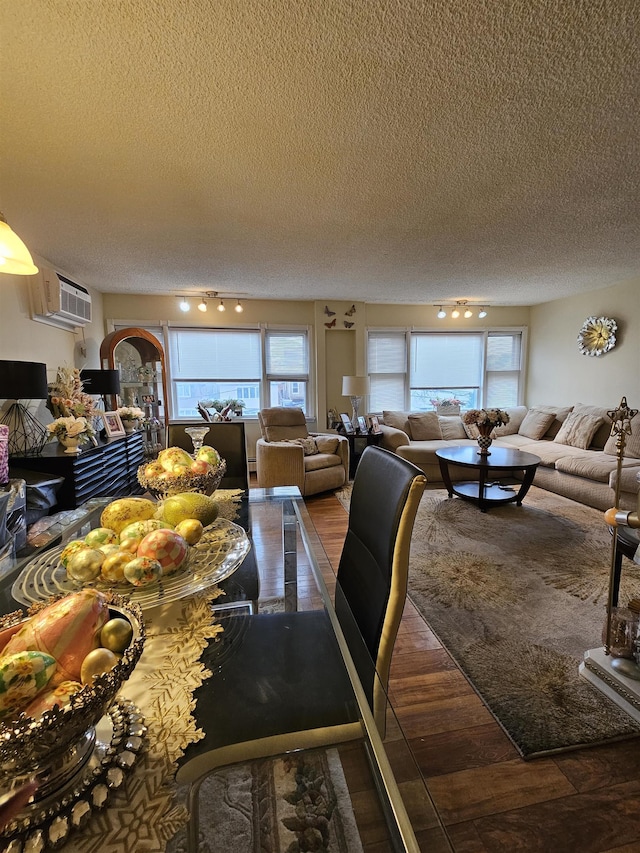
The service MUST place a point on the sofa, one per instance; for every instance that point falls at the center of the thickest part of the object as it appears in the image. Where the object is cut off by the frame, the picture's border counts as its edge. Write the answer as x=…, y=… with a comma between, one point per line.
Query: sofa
x=578, y=455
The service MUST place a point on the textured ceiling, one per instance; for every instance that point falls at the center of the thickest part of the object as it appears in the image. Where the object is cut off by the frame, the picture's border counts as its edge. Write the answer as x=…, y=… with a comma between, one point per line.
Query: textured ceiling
x=376, y=150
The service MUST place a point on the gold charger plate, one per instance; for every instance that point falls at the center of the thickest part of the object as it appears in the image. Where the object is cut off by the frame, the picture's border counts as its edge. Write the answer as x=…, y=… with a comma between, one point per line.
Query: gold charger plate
x=220, y=551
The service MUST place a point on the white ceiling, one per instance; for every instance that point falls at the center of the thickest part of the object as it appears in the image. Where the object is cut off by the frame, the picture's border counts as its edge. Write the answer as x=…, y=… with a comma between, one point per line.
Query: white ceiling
x=380, y=150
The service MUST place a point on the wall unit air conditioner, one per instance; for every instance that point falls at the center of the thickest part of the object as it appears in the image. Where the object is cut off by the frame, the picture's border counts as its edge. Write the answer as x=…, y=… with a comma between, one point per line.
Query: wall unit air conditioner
x=58, y=301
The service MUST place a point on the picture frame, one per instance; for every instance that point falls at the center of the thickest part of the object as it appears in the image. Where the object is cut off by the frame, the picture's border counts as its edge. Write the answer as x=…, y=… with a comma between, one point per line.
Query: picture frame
x=374, y=425
x=148, y=399
x=346, y=424
x=362, y=425
x=113, y=424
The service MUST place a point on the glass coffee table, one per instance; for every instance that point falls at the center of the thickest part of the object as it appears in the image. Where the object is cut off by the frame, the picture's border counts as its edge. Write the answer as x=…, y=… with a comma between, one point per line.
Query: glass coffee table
x=502, y=463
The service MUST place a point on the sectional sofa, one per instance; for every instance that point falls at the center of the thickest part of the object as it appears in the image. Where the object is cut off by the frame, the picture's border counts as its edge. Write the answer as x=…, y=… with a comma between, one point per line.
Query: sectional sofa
x=578, y=457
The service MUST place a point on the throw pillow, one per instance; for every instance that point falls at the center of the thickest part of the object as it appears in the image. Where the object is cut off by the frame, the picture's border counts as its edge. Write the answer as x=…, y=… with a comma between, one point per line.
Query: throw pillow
x=309, y=445
x=425, y=426
x=516, y=415
x=578, y=430
x=397, y=420
x=632, y=443
x=452, y=427
x=560, y=412
x=326, y=443
x=536, y=423
x=604, y=430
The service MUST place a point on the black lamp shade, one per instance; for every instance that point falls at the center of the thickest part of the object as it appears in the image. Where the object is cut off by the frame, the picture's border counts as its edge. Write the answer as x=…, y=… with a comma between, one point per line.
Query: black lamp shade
x=23, y=380
x=100, y=381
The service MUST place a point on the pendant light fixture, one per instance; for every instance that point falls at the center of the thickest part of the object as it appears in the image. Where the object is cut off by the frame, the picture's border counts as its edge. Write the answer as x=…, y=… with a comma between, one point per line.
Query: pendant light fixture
x=14, y=255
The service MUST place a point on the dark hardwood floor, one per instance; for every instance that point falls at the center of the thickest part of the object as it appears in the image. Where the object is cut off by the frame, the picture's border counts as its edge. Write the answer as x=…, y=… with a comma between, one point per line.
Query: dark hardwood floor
x=486, y=797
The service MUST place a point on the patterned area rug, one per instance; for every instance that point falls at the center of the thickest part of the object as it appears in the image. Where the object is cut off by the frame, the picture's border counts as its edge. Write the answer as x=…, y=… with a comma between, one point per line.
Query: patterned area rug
x=517, y=595
x=293, y=803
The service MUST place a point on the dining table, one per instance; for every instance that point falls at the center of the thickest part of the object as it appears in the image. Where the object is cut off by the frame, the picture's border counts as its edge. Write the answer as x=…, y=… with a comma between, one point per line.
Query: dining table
x=189, y=635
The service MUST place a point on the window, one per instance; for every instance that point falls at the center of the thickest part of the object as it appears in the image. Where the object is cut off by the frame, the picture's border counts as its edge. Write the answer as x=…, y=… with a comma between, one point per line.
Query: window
x=415, y=370
x=257, y=367
x=287, y=367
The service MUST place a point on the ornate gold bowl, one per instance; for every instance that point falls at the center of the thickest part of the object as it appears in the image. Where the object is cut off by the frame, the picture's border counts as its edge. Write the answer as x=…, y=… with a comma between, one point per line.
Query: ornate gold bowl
x=205, y=484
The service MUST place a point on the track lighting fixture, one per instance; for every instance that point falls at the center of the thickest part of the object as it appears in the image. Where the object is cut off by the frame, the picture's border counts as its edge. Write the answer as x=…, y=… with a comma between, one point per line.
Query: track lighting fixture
x=202, y=305
x=221, y=306
x=238, y=308
x=184, y=305
x=461, y=306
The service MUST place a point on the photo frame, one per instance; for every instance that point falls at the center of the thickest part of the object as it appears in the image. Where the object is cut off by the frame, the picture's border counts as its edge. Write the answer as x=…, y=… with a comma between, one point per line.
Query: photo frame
x=374, y=425
x=113, y=424
x=362, y=424
x=346, y=424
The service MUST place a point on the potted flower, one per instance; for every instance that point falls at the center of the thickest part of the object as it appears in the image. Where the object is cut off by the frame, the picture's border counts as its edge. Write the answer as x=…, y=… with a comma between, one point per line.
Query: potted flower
x=485, y=421
x=71, y=432
x=130, y=417
x=235, y=406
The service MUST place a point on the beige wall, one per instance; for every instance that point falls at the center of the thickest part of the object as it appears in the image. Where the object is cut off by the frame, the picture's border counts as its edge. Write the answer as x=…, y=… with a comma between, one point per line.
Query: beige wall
x=558, y=372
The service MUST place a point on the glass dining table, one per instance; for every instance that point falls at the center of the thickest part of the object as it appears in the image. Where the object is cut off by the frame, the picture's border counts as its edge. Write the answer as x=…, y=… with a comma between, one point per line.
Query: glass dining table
x=378, y=796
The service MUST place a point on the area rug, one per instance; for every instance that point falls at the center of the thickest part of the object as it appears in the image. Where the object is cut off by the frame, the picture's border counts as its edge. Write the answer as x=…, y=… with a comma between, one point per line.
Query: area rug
x=517, y=595
x=289, y=803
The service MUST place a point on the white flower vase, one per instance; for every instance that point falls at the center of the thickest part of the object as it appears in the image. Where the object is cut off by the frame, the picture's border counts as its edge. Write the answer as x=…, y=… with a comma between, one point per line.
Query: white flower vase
x=71, y=445
x=129, y=425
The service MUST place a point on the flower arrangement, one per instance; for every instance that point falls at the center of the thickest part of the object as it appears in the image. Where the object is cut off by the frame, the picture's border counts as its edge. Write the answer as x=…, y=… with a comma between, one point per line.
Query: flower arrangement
x=486, y=418
x=130, y=413
x=66, y=397
x=71, y=427
x=447, y=401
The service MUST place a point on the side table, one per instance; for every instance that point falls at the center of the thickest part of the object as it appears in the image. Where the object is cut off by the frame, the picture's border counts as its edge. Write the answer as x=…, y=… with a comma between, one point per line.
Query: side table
x=357, y=443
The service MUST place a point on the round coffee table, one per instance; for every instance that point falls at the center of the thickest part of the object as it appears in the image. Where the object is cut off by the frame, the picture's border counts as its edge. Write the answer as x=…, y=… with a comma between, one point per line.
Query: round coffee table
x=501, y=462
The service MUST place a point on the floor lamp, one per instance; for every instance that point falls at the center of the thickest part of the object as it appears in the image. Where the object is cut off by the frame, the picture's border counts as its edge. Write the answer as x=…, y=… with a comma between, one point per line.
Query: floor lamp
x=355, y=387
x=23, y=380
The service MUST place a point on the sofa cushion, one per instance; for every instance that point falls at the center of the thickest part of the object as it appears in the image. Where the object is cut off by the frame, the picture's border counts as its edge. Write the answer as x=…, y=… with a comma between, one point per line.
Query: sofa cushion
x=397, y=420
x=578, y=430
x=535, y=423
x=316, y=461
x=629, y=480
x=594, y=465
x=561, y=413
x=326, y=443
x=549, y=452
x=632, y=443
x=604, y=430
x=516, y=415
x=424, y=426
x=452, y=427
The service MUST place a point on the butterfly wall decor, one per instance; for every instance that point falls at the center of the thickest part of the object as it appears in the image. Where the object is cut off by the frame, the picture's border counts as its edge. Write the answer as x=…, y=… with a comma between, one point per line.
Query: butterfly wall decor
x=331, y=324
x=350, y=312
x=328, y=311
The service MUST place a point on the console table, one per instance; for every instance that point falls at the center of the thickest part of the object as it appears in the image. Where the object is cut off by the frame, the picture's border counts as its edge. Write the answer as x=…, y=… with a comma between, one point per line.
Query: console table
x=109, y=469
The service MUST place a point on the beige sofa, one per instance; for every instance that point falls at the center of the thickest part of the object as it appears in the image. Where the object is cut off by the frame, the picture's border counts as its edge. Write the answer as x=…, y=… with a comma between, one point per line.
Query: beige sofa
x=577, y=453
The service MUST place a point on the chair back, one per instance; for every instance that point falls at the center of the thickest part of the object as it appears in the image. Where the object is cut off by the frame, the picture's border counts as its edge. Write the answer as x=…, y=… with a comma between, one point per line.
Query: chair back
x=374, y=566
x=228, y=438
x=281, y=423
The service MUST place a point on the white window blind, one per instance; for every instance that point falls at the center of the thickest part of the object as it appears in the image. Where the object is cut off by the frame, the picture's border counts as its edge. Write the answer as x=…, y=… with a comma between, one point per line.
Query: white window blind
x=444, y=360
x=215, y=354
x=287, y=354
x=504, y=359
x=387, y=367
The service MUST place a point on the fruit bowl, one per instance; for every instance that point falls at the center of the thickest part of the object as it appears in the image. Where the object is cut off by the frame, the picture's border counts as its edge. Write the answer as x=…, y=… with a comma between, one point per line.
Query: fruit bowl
x=205, y=484
x=49, y=747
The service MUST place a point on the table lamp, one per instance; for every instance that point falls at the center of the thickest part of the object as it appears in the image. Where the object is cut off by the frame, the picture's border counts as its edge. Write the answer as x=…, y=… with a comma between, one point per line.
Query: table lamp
x=101, y=383
x=23, y=380
x=355, y=387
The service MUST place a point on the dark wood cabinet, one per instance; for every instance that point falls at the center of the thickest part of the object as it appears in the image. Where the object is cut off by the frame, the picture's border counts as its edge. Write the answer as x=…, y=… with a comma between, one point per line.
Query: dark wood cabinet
x=110, y=469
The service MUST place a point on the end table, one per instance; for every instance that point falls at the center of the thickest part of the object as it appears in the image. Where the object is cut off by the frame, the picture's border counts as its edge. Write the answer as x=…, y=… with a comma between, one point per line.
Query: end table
x=357, y=443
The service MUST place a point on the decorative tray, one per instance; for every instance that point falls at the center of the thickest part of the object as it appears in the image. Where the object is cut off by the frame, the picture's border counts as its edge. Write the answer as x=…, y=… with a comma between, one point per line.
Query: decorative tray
x=220, y=551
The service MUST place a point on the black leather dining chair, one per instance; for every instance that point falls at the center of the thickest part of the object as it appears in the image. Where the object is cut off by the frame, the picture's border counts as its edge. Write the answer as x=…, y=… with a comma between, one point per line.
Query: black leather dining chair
x=280, y=683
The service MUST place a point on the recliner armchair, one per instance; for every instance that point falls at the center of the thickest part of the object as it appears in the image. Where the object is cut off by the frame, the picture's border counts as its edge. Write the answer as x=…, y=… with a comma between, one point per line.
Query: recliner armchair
x=287, y=454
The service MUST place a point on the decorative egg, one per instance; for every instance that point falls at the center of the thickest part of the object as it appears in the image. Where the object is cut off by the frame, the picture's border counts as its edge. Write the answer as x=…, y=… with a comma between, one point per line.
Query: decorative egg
x=22, y=675
x=167, y=547
x=116, y=635
x=84, y=566
x=113, y=567
x=142, y=570
x=96, y=663
x=121, y=512
x=50, y=698
x=101, y=536
x=199, y=466
x=209, y=454
x=191, y=530
x=139, y=529
x=131, y=544
x=72, y=548
x=67, y=630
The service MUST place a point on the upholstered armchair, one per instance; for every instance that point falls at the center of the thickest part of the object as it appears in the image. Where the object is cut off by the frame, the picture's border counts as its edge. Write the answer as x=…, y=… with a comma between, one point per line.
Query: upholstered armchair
x=288, y=455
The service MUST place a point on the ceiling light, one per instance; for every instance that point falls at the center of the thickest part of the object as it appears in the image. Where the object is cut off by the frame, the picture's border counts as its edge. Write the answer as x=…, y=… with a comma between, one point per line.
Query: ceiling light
x=14, y=255
x=482, y=313
x=202, y=305
x=239, y=309
x=455, y=313
x=184, y=305
x=221, y=306
x=468, y=313
x=441, y=313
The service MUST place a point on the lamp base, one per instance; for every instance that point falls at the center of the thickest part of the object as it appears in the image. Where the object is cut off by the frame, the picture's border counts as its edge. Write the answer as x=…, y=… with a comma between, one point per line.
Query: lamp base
x=27, y=436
